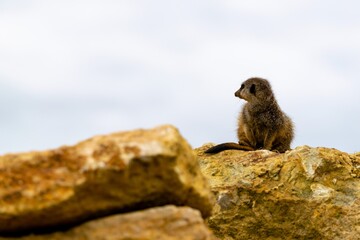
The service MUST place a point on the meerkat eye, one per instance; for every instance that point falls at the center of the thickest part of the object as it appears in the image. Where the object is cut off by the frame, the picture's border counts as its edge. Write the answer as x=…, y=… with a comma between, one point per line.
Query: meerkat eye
x=252, y=89
x=242, y=86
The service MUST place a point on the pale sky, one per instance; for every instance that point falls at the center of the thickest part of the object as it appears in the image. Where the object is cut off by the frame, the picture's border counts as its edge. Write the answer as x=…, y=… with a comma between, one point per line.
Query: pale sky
x=73, y=69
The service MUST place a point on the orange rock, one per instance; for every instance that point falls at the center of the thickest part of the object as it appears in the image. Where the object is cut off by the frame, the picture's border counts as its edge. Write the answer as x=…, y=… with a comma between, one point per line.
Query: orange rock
x=100, y=176
x=305, y=193
x=160, y=223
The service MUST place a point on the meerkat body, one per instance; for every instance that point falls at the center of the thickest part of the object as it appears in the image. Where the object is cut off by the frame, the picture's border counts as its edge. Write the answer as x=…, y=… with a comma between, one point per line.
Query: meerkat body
x=261, y=124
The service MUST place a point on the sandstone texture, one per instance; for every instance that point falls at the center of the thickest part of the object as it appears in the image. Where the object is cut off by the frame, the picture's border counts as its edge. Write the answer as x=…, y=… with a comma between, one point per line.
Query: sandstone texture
x=98, y=177
x=161, y=223
x=305, y=193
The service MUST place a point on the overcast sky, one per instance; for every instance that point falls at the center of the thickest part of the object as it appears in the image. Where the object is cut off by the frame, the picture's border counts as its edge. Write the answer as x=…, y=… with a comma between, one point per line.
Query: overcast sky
x=73, y=69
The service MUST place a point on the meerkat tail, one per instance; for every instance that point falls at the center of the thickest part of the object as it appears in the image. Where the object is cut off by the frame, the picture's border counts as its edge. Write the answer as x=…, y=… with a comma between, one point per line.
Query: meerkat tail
x=228, y=146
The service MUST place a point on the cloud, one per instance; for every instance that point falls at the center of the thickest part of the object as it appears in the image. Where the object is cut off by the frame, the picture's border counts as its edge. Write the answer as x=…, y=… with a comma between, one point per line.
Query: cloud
x=79, y=68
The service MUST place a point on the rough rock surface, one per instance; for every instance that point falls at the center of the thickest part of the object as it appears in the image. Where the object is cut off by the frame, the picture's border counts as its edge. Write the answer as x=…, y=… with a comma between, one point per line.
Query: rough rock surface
x=161, y=223
x=100, y=176
x=305, y=193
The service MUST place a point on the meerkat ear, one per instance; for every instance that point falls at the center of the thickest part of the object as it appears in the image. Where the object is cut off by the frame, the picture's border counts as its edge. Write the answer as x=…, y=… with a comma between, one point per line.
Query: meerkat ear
x=252, y=89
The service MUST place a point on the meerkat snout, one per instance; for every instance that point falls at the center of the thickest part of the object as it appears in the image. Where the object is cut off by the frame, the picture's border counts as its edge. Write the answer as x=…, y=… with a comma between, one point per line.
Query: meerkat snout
x=238, y=92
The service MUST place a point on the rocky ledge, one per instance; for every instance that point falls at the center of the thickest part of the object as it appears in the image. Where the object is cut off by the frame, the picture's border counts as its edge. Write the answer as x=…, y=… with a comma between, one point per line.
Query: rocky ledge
x=150, y=184
x=56, y=190
x=305, y=193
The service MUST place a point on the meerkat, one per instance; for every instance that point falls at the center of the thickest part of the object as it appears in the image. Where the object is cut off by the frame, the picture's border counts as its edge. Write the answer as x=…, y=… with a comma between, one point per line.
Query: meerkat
x=261, y=123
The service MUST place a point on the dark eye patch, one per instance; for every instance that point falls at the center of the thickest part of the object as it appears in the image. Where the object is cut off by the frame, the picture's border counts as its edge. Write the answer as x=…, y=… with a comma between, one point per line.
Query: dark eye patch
x=252, y=89
x=242, y=86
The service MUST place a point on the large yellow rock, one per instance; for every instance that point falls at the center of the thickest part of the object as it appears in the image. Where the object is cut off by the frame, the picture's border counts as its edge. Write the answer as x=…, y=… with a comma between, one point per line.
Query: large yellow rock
x=160, y=223
x=306, y=193
x=97, y=177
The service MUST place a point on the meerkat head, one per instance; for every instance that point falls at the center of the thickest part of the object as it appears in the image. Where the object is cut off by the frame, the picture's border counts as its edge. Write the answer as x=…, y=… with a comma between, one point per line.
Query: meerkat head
x=254, y=90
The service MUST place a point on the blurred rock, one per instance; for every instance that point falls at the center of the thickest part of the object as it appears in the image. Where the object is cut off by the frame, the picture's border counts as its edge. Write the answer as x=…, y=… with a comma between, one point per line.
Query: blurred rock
x=161, y=223
x=101, y=176
x=305, y=193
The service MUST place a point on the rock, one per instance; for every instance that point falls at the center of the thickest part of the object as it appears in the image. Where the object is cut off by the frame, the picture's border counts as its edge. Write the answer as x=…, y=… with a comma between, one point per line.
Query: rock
x=100, y=176
x=161, y=223
x=305, y=193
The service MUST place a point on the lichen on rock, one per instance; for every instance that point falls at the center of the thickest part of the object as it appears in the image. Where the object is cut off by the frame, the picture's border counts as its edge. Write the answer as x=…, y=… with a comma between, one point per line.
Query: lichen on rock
x=305, y=193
